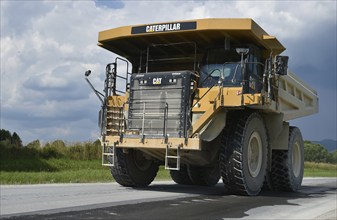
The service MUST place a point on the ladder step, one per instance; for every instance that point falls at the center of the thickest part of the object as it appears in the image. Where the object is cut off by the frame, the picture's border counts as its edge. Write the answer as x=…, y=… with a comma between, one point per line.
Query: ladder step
x=114, y=123
x=172, y=157
x=107, y=155
x=167, y=157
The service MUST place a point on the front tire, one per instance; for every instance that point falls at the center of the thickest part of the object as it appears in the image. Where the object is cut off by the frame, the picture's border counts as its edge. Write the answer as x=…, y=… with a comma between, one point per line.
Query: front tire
x=288, y=165
x=132, y=169
x=243, y=155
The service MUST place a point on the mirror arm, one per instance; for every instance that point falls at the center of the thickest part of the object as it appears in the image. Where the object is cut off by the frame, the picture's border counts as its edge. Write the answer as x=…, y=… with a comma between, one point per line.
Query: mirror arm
x=87, y=73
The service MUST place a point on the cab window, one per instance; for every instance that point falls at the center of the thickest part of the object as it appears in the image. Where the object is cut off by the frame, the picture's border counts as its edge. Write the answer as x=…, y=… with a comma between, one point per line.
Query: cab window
x=220, y=64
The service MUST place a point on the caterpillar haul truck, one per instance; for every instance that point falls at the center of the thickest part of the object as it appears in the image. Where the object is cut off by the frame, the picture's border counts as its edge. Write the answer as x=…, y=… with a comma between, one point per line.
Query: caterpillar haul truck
x=208, y=99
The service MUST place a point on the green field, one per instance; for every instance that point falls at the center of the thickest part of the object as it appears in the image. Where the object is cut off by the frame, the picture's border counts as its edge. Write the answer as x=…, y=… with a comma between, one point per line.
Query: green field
x=58, y=171
x=35, y=171
x=320, y=169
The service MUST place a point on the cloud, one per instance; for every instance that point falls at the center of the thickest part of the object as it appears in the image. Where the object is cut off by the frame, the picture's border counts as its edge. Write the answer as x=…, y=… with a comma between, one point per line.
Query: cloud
x=47, y=45
x=18, y=16
x=116, y=4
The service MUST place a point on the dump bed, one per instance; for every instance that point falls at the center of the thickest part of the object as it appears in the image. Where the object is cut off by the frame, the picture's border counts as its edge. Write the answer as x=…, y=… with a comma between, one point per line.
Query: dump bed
x=296, y=98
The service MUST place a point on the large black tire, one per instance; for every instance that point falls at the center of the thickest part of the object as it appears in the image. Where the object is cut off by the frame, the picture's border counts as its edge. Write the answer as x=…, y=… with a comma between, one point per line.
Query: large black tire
x=204, y=176
x=288, y=165
x=181, y=176
x=132, y=169
x=243, y=154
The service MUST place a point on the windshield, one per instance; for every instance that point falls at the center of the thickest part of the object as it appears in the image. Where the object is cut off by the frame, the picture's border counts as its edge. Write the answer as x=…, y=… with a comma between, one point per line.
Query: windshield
x=228, y=73
x=170, y=57
x=220, y=64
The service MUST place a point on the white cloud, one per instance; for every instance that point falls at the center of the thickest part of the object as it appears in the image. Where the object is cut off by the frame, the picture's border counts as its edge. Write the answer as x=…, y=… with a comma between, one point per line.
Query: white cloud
x=47, y=45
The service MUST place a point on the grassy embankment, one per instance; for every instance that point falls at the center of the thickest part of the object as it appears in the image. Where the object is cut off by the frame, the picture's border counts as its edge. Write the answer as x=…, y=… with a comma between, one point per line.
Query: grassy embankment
x=57, y=171
x=34, y=171
x=54, y=163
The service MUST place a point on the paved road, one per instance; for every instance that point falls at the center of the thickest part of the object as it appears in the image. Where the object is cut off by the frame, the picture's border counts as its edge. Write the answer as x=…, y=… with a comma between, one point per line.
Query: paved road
x=165, y=200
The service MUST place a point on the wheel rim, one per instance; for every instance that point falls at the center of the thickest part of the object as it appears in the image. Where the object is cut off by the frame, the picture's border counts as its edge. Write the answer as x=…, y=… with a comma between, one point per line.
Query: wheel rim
x=255, y=154
x=140, y=161
x=296, y=159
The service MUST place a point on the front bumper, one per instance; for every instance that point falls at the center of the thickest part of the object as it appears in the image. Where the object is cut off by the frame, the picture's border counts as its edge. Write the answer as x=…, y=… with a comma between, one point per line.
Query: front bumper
x=147, y=143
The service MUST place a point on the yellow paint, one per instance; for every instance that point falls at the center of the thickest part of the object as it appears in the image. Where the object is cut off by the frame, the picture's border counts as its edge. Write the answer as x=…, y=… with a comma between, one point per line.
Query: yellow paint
x=252, y=99
x=121, y=41
x=192, y=143
x=115, y=101
x=232, y=98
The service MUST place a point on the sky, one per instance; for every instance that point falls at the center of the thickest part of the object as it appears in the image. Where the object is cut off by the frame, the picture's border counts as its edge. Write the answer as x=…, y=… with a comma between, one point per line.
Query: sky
x=46, y=46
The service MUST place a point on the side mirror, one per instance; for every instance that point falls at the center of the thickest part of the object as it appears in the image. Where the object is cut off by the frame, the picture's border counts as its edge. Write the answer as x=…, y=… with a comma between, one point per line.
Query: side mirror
x=87, y=73
x=242, y=52
x=281, y=65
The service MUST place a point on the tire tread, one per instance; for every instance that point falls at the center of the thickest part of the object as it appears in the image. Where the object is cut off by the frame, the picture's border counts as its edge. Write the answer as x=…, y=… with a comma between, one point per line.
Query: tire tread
x=231, y=153
x=281, y=176
x=122, y=174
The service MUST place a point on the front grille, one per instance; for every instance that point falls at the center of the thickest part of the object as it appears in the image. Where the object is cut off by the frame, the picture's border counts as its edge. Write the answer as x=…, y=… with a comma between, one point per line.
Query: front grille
x=156, y=109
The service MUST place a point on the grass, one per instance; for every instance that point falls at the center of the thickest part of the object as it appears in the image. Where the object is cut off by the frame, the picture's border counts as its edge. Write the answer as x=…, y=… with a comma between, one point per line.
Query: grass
x=320, y=169
x=163, y=174
x=78, y=176
x=33, y=171
x=53, y=171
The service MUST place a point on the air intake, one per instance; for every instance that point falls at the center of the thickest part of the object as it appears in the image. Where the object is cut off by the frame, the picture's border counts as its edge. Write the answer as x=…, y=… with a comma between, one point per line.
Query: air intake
x=159, y=104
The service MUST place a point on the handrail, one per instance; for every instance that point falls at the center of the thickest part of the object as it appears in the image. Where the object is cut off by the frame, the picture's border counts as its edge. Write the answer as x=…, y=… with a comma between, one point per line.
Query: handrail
x=127, y=73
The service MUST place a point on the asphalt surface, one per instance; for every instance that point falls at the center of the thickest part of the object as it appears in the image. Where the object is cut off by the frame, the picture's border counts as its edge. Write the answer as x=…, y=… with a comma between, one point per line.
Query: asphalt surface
x=165, y=200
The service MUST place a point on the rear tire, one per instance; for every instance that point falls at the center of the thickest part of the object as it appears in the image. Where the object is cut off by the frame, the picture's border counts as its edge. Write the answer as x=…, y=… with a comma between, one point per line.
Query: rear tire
x=181, y=176
x=133, y=169
x=243, y=154
x=288, y=165
x=204, y=176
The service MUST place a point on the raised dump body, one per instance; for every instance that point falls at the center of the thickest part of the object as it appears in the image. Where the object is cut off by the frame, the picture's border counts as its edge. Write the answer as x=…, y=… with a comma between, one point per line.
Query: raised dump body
x=208, y=99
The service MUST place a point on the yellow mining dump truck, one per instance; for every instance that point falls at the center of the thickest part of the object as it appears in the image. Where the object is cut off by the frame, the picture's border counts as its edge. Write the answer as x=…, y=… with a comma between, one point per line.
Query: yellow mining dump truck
x=208, y=99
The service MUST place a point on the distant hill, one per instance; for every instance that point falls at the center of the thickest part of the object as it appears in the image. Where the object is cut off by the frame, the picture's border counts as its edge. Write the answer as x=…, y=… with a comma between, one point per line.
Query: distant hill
x=330, y=145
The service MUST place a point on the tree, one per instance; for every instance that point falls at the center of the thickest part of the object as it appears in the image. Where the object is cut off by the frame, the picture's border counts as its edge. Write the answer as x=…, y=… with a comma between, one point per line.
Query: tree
x=34, y=144
x=59, y=147
x=5, y=135
x=315, y=152
x=9, y=140
x=333, y=157
x=16, y=140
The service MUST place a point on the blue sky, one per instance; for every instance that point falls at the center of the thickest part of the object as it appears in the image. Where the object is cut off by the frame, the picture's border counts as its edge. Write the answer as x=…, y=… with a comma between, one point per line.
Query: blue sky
x=47, y=45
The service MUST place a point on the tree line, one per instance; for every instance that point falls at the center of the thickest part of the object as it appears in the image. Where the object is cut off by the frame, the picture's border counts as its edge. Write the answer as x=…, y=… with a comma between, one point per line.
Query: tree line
x=11, y=147
x=317, y=153
x=9, y=139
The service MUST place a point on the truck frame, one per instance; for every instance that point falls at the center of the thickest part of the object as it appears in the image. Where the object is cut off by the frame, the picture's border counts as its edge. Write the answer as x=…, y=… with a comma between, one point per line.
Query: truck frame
x=208, y=99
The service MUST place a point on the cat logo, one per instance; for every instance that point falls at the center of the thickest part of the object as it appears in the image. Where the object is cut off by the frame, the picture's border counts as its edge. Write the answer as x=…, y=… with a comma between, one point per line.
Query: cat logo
x=157, y=81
